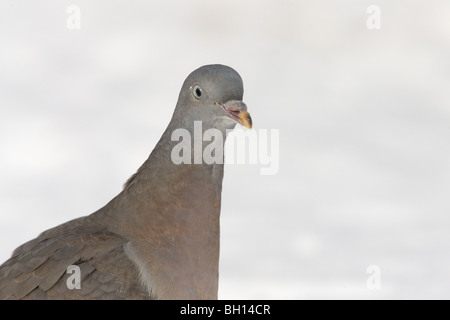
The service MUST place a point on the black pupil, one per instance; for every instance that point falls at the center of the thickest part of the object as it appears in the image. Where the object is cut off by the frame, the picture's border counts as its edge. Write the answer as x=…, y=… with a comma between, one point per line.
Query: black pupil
x=198, y=92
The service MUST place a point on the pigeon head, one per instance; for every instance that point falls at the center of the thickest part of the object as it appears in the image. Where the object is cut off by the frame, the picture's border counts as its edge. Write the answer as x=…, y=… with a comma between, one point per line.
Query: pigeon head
x=213, y=94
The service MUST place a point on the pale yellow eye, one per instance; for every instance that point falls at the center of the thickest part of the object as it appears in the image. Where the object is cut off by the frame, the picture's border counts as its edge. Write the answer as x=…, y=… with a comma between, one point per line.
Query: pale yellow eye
x=197, y=91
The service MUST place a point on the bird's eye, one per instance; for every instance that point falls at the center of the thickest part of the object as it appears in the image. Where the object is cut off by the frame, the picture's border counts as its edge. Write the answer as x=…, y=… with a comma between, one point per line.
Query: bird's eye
x=197, y=91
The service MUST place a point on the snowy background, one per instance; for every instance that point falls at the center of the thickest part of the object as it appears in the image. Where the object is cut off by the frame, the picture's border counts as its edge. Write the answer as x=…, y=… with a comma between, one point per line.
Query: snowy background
x=363, y=117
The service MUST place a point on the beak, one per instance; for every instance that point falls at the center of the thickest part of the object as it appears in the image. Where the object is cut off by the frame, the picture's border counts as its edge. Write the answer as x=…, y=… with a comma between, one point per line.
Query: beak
x=238, y=111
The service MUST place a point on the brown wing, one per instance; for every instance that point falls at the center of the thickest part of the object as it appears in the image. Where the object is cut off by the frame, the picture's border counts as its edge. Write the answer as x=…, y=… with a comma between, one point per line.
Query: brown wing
x=38, y=269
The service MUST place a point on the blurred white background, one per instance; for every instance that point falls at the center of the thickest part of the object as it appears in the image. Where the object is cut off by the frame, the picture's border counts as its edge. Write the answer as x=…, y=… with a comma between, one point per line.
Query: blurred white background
x=364, y=120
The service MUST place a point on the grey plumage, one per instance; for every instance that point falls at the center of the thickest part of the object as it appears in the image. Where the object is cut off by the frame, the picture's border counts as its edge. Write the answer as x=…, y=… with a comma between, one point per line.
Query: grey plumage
x=159, y=238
